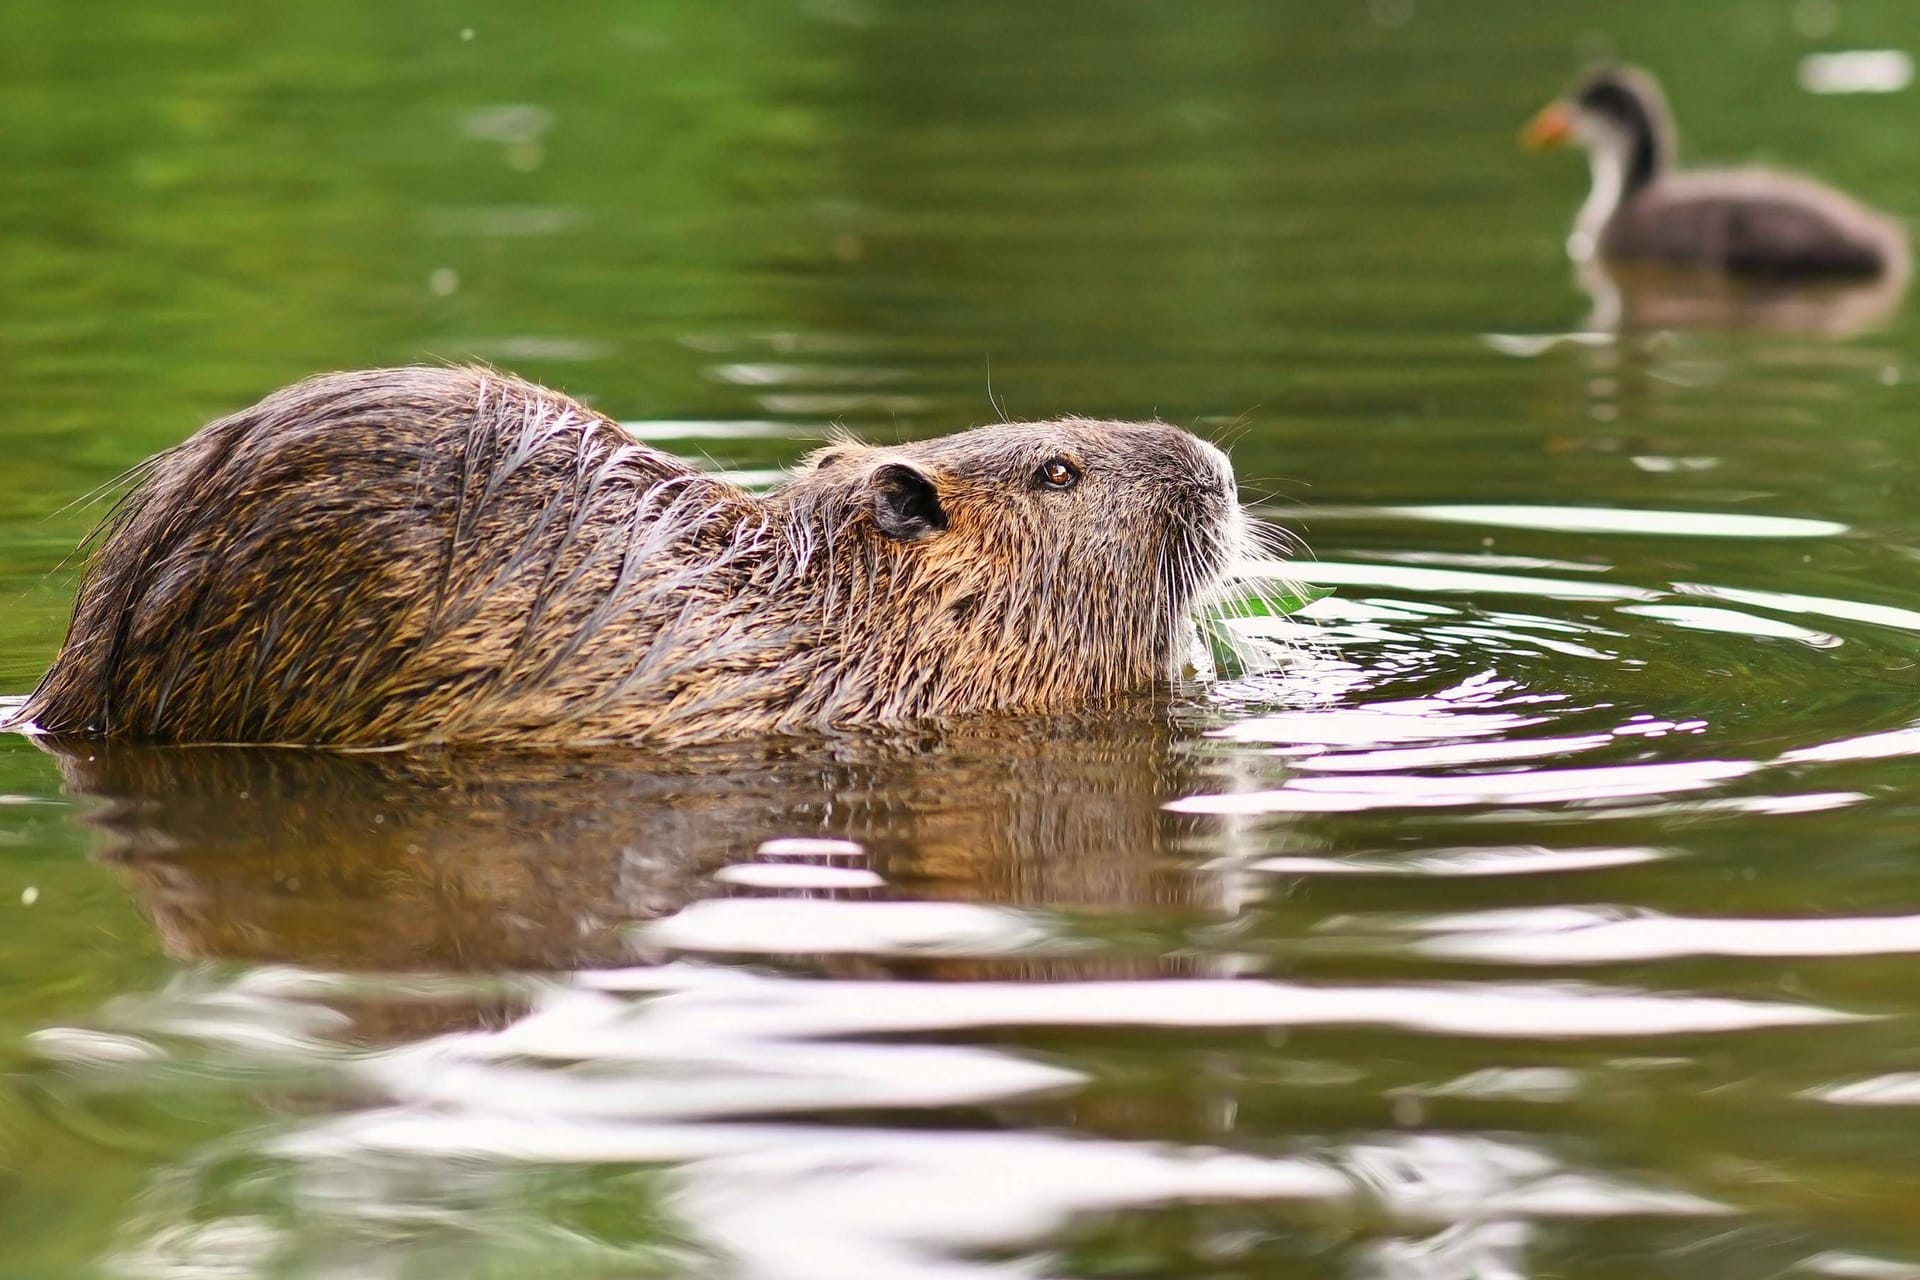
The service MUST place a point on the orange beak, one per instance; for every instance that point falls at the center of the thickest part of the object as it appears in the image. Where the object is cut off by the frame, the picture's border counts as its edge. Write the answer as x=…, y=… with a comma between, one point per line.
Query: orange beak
x=1553, y=127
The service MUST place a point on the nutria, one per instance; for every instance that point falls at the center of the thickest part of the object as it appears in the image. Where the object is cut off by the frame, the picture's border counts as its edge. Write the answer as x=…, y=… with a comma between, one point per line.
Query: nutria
x=1752, y=222
x=452, y=555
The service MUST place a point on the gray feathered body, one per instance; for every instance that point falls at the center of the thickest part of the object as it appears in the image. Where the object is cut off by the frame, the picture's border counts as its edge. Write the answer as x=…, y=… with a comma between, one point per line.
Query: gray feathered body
x=1754, y=222
x=1742, y=222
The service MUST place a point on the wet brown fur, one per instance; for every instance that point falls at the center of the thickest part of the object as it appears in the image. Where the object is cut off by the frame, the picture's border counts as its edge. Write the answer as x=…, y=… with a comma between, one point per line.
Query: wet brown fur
x=452, y=555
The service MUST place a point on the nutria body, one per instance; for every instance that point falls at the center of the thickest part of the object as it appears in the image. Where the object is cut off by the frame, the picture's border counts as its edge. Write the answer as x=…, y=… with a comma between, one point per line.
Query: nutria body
x=428, y=555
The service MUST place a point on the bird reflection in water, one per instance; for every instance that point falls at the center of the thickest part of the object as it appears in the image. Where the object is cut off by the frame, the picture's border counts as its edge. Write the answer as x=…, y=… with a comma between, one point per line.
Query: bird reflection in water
x=1639, y=298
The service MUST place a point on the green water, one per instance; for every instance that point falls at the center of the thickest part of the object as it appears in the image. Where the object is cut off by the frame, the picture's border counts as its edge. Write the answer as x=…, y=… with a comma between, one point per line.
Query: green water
x=1554, y=912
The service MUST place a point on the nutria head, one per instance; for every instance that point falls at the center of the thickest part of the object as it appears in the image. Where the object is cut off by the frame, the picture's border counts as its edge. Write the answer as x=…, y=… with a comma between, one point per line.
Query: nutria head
x=1046, y=562
x=452, y=555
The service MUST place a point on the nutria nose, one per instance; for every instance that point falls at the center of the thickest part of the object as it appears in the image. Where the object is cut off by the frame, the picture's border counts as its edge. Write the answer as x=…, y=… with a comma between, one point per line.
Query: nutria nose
x=1209, y=471
x=1222, y=465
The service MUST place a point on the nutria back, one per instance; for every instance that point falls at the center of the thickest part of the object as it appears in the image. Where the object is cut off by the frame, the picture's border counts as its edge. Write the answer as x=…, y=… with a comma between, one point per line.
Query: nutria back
x=452, y=555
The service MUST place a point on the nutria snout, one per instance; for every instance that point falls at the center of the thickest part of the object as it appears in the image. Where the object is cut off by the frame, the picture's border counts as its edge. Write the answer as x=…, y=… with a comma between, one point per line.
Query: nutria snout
x=428, y=555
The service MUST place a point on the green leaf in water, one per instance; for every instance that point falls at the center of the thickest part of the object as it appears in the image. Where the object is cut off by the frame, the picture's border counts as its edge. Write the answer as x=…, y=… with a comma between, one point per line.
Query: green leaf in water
x=1272, y=600
x=1238, y=655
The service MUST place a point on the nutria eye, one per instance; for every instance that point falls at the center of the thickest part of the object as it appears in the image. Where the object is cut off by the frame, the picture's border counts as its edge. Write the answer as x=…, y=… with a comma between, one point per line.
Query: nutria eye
x=1057, y=473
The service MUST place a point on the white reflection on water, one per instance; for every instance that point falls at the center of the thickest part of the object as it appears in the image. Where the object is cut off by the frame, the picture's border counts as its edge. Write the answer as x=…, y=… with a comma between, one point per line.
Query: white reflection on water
x=1453, y=753
x=1325, y=573
x=821, y=926
x=1896, y=1089
x=1528, y=345
x=1856, y=1266
x=1375, y=791
x=1525, y=1084
x=1619, y=520
x=765, y=374
x=1469, y=746
x=799, y=876
x=1761, y=806
x=232, y=1248
x=744, y=1005
x=905, y=1201
x=810, y=847
x=1411, y=720
x=829, y=1205
x=1876, y=615
x=1448, y=1178
x=793, y=1202
x=1856, y=71
x=1466, y=863
x=1733, y=622
x=80, y=1047
x=1482, y=705
x=1873, y=746
x=667, y=1066
x=1611, y=935
x=602, y=1041
x=1488, y=560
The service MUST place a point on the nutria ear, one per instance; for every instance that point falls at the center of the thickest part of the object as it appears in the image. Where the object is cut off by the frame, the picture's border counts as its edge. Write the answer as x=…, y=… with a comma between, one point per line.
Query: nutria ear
x=832, y=455
x=905, y=503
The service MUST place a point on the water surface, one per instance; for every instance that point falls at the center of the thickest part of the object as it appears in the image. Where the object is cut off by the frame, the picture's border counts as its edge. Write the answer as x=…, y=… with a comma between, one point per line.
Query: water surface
x=1551, y=912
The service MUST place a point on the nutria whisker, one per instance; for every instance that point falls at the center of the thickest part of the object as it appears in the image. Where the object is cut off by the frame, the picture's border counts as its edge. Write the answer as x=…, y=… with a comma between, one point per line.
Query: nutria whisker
x=1275, y=541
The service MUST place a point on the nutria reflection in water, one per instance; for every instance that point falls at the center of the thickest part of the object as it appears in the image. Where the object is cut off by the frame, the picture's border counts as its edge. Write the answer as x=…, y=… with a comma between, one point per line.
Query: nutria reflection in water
x=397, y=862
x=454, y=556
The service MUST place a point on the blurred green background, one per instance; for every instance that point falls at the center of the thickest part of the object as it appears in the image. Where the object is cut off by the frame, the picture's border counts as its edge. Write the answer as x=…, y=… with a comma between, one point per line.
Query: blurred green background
x=1294, y=224
x=1275, y=213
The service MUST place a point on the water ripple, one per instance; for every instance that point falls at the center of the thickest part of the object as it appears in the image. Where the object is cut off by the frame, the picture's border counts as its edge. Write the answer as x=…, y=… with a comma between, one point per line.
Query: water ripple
x=1464, y=863
x=1608, y=520
x=670, y=1065
x=1335, y=795
x=824, y=927
x=743, y=1006
x=1611, y=935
